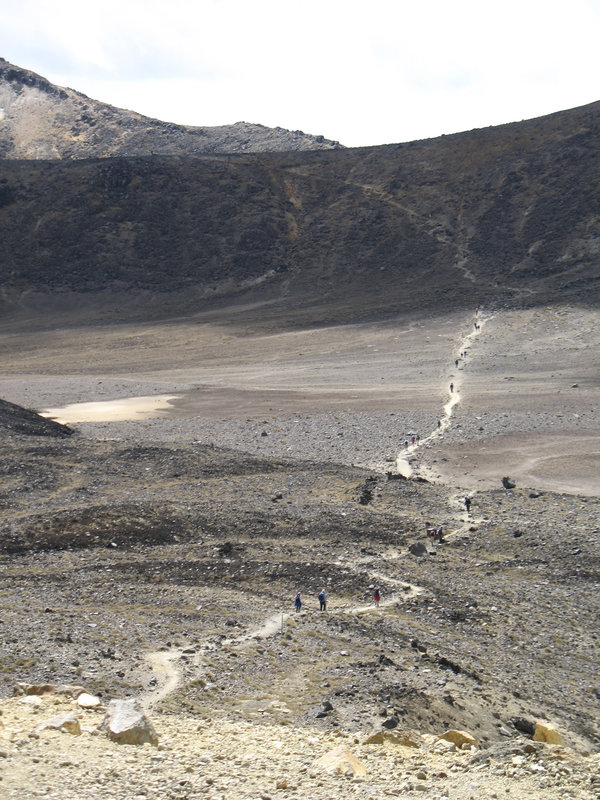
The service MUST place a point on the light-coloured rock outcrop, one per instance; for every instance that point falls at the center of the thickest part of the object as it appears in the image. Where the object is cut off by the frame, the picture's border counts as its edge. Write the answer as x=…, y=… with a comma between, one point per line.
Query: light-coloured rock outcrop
x=67, y=722
x=396, y=736
x=546, y=732
x=459, y=738
x=340, y=760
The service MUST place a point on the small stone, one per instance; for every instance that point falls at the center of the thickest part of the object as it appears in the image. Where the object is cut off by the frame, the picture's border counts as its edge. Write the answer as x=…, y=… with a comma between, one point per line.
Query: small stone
x=86, y=700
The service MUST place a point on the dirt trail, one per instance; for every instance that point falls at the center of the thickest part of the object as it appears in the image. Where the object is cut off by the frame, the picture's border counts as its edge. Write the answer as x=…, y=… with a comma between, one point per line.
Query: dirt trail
x=167, y=676
x=454, y=382
x=164, y=664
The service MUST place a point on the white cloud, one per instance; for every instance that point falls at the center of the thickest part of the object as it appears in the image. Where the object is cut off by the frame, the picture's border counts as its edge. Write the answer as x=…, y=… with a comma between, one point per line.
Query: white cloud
x=363, y=73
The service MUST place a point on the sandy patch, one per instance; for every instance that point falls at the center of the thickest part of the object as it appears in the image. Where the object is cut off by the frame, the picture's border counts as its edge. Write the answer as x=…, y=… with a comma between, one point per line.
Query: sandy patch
x=128, y=408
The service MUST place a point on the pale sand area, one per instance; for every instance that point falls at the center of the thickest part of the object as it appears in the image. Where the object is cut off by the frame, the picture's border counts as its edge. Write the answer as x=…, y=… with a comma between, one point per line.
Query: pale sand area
x=525, y=404
x=129, y=408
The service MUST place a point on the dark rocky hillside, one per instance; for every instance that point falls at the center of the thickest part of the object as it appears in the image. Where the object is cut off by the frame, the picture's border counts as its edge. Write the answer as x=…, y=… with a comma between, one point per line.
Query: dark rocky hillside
x=501, y=215
x=22, y=420
x=40, y=120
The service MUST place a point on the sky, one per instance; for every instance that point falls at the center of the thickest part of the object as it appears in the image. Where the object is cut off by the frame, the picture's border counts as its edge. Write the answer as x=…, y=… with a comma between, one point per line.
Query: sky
x=361, y=72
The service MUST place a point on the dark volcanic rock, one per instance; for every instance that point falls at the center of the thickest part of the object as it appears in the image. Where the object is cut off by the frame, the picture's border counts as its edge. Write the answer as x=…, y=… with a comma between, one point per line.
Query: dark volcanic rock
x=22, y=420
x=330, y=235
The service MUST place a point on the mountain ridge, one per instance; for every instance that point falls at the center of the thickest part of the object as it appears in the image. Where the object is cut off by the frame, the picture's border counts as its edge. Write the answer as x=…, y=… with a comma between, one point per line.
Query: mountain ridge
x=42, y=121
x=506, y=215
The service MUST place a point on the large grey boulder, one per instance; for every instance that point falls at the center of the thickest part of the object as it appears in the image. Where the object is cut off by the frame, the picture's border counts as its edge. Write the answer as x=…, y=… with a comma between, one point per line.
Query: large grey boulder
x=126, y=723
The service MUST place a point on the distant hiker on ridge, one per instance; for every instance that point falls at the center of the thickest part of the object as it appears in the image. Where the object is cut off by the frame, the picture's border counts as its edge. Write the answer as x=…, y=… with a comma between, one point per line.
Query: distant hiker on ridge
x=376, y=595
x=298, y=601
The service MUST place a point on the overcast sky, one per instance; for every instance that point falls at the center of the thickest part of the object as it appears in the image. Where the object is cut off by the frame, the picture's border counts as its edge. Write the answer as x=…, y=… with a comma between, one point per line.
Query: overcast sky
x=367, y=72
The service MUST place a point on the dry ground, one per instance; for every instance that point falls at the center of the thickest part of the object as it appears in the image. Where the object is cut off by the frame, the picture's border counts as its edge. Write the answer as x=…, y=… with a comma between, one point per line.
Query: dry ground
x=154, y=556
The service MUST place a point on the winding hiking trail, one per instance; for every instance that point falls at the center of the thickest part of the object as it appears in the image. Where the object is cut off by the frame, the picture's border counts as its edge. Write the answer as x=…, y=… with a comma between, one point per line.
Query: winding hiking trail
x=164, y=664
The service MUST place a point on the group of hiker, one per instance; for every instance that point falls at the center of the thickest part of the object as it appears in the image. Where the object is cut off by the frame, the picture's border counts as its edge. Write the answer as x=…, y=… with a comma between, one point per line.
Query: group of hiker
x=322, y=597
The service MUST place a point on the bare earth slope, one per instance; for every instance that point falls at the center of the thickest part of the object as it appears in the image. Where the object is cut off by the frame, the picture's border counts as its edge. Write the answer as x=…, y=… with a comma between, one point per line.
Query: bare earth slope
x=502, y=216
x=39, y=120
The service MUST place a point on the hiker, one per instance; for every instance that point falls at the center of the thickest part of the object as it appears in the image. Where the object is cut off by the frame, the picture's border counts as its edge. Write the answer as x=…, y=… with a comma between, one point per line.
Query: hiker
x=451, y=387
x=468, y=504
x=376, y=596
x=298, y=601
x=456, y=362
x=406, y=444
x=439, y=423
x=322, y=600
x=440, y=534
x=413, y=440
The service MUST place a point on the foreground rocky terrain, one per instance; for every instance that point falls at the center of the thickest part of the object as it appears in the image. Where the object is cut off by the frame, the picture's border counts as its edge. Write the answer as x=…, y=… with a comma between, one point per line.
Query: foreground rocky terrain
x=159, y=557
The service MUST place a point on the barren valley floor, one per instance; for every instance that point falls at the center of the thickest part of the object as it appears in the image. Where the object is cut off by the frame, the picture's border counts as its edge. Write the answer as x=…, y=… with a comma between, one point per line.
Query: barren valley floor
x=158, y=556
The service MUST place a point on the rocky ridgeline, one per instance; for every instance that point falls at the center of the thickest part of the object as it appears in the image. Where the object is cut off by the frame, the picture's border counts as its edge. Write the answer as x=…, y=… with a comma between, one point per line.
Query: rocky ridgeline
x=60, y=741
x=43, y=121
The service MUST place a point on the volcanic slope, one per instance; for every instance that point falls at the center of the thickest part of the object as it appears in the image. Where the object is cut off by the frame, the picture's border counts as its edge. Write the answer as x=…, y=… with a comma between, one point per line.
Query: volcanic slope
x=43, y=121
x=501, y=216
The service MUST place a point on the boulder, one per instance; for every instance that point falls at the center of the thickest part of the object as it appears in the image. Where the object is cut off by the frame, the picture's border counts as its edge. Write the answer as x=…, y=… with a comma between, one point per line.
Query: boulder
x=340, y=761
x=459, y=738
x=62, y=722
x=126, y=723
x=418, y=549
x=546, y=732
x=508, y=483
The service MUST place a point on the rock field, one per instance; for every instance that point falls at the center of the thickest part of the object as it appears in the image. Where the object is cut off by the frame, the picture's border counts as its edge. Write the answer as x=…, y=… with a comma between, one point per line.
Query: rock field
x=158, y=559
